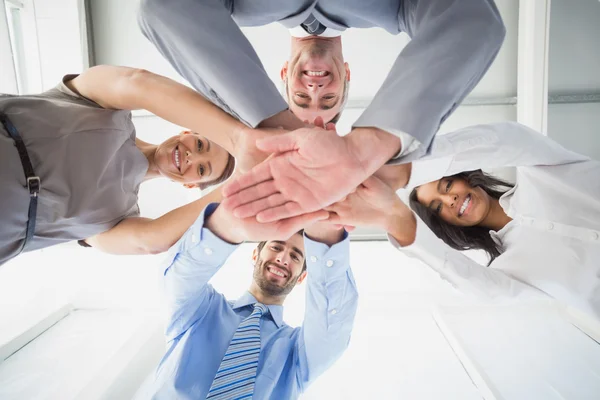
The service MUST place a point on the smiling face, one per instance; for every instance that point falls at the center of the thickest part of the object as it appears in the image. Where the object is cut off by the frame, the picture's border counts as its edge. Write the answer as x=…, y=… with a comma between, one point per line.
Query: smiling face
x=315, y=78
x=279, y=265
x=190, y=159
x=455, y=201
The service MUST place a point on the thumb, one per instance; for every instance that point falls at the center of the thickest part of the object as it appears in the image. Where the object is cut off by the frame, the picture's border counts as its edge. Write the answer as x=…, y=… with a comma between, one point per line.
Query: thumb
x=294, y=224
x=278, y=143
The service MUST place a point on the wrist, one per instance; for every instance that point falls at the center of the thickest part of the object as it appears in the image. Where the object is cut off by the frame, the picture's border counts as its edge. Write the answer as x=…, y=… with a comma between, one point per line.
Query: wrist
x=372, y=147
x=220, y=223
x=324, y=232
x=284, y=119
x=402, y=226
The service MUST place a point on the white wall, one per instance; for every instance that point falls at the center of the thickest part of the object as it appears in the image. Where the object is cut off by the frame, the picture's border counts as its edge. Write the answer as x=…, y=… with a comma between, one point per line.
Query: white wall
x=574, y=68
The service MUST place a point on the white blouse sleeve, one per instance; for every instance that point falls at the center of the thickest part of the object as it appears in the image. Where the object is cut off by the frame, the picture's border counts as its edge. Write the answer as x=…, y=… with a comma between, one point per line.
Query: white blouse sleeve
x=462, y=272
x=504, y=144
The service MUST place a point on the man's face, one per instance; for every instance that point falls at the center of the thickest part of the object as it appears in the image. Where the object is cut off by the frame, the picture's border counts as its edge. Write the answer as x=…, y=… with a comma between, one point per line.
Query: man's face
x=315, y=80
x=279, y=266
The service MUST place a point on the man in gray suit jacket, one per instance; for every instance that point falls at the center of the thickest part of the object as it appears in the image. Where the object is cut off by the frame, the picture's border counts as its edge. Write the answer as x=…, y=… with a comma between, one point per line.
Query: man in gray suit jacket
x=453, y=44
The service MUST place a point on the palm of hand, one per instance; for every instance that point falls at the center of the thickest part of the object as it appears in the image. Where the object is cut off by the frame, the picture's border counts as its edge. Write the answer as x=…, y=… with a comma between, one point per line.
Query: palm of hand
x=321, y=171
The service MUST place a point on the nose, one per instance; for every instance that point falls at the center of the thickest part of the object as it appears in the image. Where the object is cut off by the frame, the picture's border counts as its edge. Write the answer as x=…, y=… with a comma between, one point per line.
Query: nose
x=283, y=259
x=191, y=157
x=451, y=200
x=313, y=86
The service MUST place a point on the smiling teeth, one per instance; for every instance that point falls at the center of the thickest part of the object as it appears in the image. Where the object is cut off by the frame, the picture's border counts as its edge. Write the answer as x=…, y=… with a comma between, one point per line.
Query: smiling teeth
x=177, y=161
x=316, y=73
x=274, y=271
x=465, y=205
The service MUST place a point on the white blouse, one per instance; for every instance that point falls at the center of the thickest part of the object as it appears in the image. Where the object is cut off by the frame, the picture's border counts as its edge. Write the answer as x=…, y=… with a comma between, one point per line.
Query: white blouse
x=552, y=246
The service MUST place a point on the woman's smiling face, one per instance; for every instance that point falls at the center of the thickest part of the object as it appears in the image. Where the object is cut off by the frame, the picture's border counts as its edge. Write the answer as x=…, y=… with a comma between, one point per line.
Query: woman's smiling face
x=190, y=159
x=455, y=201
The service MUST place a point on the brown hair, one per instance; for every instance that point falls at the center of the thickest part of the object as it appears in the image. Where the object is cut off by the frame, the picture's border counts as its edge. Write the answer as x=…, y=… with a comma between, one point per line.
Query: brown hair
x=460, y=237
x=227, y=172
x=262, y=244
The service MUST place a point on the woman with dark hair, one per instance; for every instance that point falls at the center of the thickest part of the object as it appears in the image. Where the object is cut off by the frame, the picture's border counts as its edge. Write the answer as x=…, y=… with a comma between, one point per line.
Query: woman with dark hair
x=541, y=234
x=72, y=165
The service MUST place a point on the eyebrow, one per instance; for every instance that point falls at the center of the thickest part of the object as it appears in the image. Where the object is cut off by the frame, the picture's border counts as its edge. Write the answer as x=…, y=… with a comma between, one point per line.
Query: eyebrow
x=297, y=250
x=207, y=145
x=209, y=168
x=298, y=104
x=304, y=105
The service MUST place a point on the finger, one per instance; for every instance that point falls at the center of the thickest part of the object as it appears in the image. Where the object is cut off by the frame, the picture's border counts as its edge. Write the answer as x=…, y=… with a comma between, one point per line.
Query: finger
x=258, y=174
x=292, y=225
x=319, y=122
x=330, y=126
x=251, y=209
x=250, y=195
x=287, y=210
x=335, y=219
x=278, y=143
x=349, y=228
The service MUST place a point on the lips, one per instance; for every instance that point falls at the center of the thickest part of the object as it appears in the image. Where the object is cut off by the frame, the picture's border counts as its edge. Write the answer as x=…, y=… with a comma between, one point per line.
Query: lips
x=466, y=206
x=274, y=270
x=176, y=158
x=316, y=74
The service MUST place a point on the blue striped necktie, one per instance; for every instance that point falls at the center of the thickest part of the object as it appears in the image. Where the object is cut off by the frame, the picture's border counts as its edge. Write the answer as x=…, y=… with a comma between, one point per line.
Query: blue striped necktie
x=237, y=373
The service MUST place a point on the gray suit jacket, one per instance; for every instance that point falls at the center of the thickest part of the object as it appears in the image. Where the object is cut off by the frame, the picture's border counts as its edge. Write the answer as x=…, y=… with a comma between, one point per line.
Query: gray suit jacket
x=453, y=44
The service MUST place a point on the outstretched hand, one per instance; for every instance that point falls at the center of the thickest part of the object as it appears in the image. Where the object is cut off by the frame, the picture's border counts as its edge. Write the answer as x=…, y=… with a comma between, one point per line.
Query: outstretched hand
x=312, y=168
x=223, y=224
x=369, y=205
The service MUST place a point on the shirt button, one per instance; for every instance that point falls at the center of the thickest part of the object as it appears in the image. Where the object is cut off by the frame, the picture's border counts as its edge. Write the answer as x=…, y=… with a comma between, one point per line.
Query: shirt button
x=333, y=312
x=194, y=238
x=550, y=226
x=594, y=236
x=313, y=258
x=329, y=263
x=208, y=251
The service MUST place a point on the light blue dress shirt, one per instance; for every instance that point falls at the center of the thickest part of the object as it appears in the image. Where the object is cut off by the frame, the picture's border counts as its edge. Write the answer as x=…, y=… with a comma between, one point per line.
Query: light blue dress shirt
x=201, y=321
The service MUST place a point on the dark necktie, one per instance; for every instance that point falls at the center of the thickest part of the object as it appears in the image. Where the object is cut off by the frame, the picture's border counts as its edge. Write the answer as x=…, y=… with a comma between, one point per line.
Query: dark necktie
x=312, y=26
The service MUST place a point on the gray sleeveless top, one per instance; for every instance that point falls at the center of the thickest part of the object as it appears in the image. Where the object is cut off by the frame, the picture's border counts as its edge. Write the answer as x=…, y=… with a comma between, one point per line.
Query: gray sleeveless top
x=86, y=158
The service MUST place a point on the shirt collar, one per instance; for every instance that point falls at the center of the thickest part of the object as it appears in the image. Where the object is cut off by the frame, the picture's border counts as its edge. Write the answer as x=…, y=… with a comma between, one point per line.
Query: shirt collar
x=299, y=32
x=276, y=311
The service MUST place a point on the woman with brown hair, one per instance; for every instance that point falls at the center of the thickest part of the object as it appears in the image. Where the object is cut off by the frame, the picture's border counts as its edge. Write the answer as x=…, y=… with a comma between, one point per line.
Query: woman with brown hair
x=72, y=165
x=541, y=234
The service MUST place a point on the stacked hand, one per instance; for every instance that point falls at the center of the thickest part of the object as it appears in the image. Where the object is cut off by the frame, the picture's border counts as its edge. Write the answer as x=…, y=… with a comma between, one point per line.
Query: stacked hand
x=312, y=168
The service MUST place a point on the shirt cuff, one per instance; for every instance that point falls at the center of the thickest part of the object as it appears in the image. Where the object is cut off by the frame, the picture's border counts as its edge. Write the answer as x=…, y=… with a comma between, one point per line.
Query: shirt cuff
x=408, y=143
x=200, y=243
x=427, y=247
x=326, y=264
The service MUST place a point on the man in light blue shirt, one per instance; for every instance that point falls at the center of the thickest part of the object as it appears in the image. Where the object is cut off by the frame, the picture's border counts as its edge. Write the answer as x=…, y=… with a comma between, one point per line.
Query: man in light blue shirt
x=202, y=359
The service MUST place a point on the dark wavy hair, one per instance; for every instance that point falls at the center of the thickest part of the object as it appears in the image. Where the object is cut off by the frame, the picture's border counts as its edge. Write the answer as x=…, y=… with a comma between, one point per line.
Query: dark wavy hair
x=227, y=172
x=260, y=246
x=461, y=237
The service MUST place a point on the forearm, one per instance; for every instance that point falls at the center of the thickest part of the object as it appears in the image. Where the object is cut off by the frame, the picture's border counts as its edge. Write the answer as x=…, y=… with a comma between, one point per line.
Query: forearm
x=204, y=44
x=401, y=224
x=372, y=147
x=395, y=176
x=132, y=89
x=147, y=236
x=324, y=232
x=284, y=119
x=331, y=304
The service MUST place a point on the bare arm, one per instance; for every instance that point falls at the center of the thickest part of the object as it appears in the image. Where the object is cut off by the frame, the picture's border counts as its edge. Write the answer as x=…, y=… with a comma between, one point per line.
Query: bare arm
x=126, y=88
x=148, y=236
